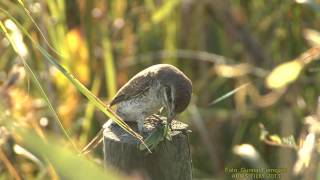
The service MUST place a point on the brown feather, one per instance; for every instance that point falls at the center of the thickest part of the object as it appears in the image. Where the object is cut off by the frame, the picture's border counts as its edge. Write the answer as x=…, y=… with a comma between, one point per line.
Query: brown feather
x=133, y=88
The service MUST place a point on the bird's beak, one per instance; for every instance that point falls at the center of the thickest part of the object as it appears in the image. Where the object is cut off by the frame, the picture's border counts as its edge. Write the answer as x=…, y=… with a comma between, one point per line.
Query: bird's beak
x=170, y=118
x=169, y=107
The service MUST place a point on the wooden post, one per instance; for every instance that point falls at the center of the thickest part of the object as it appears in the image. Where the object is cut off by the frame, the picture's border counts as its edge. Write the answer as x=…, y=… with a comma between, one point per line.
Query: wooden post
x=171, y=160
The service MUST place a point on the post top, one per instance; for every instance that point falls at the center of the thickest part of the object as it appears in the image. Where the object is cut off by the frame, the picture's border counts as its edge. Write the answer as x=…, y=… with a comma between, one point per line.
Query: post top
x=117, y=134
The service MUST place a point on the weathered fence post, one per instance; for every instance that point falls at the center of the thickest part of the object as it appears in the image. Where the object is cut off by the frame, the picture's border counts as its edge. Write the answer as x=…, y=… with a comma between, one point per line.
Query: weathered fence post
x=171, y=160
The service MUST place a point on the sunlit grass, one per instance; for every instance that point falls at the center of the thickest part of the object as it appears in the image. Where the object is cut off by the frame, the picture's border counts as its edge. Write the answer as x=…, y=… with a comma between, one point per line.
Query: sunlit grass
x=36, y=81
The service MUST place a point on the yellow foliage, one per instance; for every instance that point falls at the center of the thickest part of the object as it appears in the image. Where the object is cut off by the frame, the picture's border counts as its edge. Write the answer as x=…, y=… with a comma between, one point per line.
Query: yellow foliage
x=22, y=106
x=78, y=54
x=68, y=108
x=275, y=139
x=312, y=36
x=164, y=11
x=79, y=65
x=230, y=71
x=284, y=74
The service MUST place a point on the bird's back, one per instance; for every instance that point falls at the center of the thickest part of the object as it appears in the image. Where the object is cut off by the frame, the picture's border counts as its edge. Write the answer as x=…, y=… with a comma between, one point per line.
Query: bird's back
x=140, y=82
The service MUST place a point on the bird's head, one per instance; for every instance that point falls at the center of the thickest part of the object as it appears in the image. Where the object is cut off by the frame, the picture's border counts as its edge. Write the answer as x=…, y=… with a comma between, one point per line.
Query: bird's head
x=176, y=89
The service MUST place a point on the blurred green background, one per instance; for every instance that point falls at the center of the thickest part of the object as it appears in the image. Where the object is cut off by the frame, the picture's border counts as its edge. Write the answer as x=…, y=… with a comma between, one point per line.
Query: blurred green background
x=258, y=57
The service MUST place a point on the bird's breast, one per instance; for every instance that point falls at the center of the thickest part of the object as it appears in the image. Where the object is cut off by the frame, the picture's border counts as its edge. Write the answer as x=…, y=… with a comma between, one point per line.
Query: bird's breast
x=141, y=106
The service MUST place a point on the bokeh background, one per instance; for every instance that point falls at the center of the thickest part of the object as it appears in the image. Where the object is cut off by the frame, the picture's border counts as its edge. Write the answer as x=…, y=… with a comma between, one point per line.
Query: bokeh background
x=253, y=65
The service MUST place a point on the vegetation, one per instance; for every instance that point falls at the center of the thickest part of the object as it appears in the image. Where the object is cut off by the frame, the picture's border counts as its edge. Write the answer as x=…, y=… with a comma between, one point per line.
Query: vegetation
x=253, y=65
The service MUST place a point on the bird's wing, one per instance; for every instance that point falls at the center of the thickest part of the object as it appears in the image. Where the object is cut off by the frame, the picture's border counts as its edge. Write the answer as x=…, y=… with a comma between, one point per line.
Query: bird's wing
x=133, y=88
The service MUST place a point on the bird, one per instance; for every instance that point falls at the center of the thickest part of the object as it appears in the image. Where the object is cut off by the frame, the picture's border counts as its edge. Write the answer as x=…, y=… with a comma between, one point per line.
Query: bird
x=160, y=86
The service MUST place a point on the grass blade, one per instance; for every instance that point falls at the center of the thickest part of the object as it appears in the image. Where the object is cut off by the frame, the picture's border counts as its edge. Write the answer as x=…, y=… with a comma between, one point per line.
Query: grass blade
x=64, y=161
x=228, y=94
x=38, y=28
